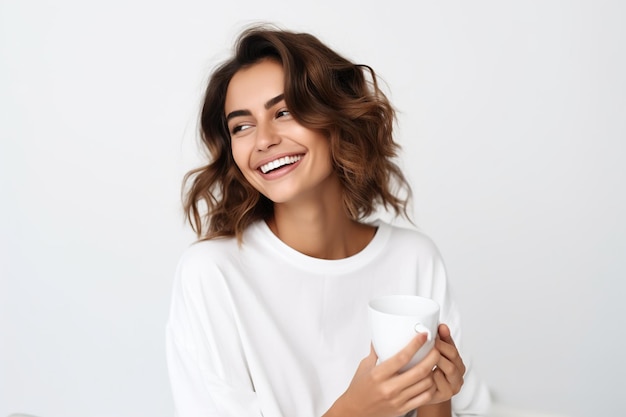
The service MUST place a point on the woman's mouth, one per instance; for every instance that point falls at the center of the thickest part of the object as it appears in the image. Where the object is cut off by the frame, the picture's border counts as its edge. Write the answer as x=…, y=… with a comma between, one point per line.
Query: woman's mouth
x=279, y=163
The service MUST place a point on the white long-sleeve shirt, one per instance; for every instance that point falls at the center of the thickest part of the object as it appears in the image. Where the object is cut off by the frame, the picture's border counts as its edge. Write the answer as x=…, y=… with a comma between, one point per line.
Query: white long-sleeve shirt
x=263, y=330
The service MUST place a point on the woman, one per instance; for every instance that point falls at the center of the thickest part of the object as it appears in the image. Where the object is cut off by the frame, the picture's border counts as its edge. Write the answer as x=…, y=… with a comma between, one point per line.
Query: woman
x=269, y=308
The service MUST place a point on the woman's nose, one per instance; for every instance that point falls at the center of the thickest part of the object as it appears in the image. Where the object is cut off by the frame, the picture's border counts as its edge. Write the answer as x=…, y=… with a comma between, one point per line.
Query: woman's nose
x=266, y=136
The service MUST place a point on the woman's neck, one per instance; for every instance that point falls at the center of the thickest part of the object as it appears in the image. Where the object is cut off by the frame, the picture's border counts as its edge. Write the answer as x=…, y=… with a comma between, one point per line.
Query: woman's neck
x=320, y=229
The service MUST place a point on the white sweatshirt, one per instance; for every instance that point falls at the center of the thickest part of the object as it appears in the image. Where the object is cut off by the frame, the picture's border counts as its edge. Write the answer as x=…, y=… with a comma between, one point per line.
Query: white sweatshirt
x=264, y=330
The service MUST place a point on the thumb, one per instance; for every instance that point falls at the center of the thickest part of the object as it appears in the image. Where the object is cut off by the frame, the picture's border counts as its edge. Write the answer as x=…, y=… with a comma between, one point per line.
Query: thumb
x=445, y=334
x=372, y=358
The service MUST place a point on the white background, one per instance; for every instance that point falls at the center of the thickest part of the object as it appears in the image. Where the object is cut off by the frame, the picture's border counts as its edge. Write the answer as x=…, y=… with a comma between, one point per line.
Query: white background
x=512, y=118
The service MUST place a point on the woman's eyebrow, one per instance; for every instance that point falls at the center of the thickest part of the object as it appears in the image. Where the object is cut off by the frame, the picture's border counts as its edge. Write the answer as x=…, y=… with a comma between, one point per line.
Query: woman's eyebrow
x=268, y=104
x=238, y=113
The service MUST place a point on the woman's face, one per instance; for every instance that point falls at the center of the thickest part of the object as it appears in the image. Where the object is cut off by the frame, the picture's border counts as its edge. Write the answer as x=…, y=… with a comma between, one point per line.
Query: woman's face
x=282, y=159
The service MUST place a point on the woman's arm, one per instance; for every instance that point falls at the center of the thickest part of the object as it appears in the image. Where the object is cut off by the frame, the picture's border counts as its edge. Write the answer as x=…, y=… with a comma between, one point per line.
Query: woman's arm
x=443, y=409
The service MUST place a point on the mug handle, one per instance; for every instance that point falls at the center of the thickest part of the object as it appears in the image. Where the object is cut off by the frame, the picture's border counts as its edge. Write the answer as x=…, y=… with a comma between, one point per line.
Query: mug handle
x=420, y=328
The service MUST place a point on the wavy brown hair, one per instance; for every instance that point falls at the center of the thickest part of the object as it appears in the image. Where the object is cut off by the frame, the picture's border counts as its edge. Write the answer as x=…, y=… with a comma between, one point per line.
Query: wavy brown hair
x=324, y=92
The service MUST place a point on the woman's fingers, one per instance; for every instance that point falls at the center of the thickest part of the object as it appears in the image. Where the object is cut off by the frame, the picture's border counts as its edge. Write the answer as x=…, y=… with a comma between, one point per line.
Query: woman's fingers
x=450, y=368
x=417, y=382
x=421, y=370
x=451, y=355
x=446, y=366
x=393, y=365
x=448, y=349
x=426, y=397
x=444, y=389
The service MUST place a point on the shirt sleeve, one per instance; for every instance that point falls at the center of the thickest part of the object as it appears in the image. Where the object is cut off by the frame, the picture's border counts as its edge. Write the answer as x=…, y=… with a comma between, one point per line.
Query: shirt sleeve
x=206, y=364
x=474, y=398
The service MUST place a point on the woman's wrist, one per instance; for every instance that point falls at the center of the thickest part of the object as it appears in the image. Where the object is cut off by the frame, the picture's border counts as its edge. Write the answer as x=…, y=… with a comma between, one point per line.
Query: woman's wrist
x=339, y=408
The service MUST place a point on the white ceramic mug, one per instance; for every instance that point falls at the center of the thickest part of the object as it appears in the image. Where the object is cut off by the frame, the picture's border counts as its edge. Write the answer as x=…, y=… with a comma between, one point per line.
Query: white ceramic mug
x=396, y=319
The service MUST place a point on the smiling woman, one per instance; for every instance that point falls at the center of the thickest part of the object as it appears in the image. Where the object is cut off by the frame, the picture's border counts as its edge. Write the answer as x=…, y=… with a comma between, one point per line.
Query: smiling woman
x=269, y=307
x=278, y=156
x=350, y=111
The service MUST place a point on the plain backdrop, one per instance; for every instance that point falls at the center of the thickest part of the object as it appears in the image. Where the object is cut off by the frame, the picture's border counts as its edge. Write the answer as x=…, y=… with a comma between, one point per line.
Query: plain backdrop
x=512, y=119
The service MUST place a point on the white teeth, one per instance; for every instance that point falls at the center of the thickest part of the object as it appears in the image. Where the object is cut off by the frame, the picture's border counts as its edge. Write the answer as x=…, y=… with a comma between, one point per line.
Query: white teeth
x=277, y=163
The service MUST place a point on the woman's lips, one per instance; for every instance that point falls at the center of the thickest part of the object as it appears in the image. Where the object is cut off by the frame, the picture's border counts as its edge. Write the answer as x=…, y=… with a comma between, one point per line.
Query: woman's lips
x=280, y=163
x=282, y=167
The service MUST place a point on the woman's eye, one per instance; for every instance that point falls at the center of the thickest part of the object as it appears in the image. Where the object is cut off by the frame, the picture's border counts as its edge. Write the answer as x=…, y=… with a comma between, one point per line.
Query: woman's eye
x=239, y=128
x=282, y=113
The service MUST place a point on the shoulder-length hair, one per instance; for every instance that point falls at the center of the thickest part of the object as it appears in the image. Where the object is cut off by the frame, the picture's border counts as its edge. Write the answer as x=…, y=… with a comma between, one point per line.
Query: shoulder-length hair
x=323, y=91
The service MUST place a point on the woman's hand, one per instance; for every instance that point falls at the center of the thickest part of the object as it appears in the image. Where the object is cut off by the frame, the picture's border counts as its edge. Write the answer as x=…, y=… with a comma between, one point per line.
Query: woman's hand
x=381, y=391
x=448, y=376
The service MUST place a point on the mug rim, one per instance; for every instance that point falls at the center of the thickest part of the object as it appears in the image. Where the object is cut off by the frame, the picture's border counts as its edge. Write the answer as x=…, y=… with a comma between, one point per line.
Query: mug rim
x=432, y=305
